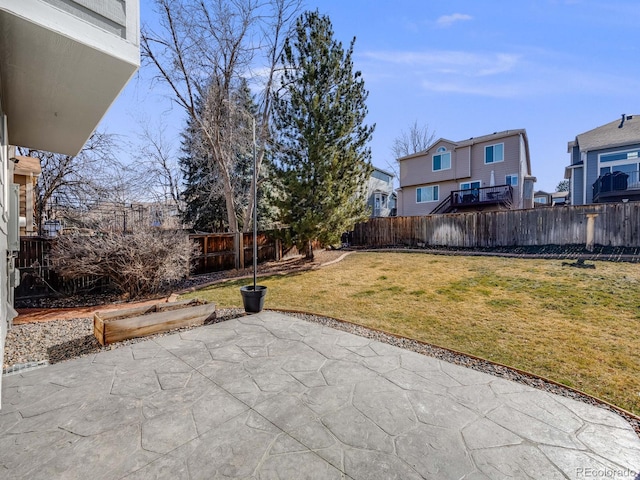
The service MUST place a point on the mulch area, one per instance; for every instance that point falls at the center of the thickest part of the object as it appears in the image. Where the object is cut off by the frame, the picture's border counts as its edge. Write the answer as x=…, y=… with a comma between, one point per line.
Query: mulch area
x=548, y=252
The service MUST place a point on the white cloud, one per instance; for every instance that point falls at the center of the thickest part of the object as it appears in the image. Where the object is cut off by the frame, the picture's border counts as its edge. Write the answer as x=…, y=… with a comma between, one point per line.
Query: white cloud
x=471, y=88
x=451, y=62
x=523, y=74
x=448, y=20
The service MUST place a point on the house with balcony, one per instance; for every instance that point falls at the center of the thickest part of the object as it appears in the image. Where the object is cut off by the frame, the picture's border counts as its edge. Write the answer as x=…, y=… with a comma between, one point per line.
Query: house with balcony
x=381, y=199
x=62, y=64
x=605, y=163
x=491, y=172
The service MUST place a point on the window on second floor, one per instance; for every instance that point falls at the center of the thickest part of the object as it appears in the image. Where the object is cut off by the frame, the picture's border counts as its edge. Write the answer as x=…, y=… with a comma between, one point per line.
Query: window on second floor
x=441, y=160
x=511, y=180
x=427, y=194
x=494, y=153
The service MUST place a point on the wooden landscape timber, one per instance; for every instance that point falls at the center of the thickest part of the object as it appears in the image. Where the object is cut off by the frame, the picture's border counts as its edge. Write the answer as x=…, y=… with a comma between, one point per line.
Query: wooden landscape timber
x=117, y=325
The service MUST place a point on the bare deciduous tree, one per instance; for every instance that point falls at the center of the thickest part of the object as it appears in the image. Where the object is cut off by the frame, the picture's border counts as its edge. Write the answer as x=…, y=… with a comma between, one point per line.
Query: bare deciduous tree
x=157, y=166
x=71, y=181
x=417, y=139
x=202, y=51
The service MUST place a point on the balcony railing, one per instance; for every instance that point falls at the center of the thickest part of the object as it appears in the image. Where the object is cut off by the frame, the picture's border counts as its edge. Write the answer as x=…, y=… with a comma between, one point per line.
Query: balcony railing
x=476, y=197
x=617, y=185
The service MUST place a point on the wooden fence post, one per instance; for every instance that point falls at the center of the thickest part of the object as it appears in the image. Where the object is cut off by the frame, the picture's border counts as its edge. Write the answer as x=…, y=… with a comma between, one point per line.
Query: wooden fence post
x=238, y=244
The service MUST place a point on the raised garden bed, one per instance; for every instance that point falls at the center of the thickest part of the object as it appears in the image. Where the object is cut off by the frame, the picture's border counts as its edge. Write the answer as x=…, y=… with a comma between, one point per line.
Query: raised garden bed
x=118, y=325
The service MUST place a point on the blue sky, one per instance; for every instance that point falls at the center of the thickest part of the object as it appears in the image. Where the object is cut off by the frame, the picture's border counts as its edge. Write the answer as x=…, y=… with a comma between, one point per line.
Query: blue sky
x=467, y=68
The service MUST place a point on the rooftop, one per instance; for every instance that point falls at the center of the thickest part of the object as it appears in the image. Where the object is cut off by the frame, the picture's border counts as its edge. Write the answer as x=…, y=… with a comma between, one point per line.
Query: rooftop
x=623, y=131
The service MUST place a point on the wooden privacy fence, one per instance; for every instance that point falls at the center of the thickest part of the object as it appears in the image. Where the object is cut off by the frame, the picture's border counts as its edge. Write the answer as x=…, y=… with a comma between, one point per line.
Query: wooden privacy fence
x=38, y=277
x=608, y=224
x=218, y=251
x=226, y=251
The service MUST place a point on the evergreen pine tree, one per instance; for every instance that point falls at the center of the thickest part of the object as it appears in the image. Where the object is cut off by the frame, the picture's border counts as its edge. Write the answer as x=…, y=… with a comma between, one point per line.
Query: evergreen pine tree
x=203, y=193
x=322, y=158
x=205, y=205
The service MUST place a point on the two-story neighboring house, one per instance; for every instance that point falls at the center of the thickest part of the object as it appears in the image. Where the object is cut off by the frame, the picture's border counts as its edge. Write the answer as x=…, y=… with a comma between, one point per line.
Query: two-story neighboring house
x=484, y=173
x=605, y=163
x=62, y=64
x=381, y=198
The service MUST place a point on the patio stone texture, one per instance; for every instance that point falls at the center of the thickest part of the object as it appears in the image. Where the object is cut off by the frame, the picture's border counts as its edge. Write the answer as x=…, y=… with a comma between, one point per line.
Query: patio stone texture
x=269, y=396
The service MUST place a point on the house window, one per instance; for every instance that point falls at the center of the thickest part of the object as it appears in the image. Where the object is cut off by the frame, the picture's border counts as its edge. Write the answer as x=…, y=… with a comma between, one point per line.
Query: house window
x=494, y=153
x=614, y=157
x=511, y=180
x=540, y=200
x=427, y=194
x=469, y=185
x=627, y=168
x=441, y=161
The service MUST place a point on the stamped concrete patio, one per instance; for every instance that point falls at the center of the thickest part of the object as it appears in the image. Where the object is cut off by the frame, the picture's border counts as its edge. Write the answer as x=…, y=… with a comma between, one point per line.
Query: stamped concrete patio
x=269, y=396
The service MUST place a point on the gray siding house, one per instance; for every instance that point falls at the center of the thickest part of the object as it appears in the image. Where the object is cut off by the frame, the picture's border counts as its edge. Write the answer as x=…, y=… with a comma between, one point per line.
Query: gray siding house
x=62, y=64
x=604, y=163
x=491, y=172
x=381, y=198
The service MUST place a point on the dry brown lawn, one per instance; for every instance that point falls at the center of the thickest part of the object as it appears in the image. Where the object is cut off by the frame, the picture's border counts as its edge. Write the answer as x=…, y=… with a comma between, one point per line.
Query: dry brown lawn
x=579, y=327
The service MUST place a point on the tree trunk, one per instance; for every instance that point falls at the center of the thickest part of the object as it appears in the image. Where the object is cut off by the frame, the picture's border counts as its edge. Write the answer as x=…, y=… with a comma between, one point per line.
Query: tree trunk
x=309, y=250
x=231, y=207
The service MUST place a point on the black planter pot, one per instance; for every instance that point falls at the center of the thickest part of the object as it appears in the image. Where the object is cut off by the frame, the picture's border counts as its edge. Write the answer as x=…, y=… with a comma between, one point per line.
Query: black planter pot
x=253, y=300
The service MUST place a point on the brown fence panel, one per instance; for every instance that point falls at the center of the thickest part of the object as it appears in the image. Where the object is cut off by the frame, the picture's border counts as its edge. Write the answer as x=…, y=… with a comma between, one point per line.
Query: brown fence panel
x=218, y=250
x=38, y=278
x=615, y=225
x=267, y=248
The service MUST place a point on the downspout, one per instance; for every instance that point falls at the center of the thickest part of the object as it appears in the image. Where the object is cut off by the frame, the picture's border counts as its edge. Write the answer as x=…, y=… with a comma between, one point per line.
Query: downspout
x=584, y=178
x=521, y=173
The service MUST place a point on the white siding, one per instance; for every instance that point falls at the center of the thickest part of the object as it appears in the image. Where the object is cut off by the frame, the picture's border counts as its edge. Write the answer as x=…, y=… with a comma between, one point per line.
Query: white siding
x=7, y=313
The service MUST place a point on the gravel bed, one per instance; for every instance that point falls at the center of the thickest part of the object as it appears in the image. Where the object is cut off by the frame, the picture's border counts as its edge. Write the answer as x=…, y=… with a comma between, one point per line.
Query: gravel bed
x=37, y=344
x=41, y=343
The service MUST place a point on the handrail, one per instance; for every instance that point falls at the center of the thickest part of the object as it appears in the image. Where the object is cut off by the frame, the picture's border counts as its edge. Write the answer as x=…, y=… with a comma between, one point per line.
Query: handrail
x=616, y=182
x=443, y=206
x=502, y=194
x=494, y=194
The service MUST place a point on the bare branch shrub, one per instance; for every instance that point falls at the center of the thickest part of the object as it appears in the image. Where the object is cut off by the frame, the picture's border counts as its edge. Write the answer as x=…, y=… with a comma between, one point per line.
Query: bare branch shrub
x=137, y=264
